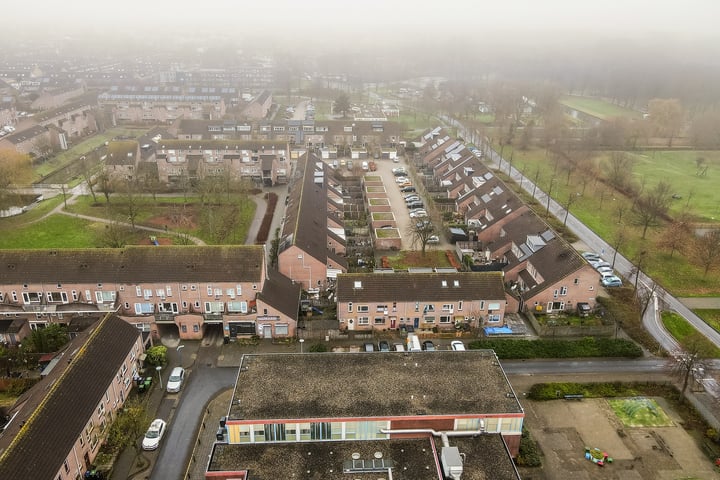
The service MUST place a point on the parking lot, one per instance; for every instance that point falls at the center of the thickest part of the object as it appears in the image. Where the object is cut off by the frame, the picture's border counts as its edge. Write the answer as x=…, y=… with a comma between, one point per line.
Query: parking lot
x=397, y=201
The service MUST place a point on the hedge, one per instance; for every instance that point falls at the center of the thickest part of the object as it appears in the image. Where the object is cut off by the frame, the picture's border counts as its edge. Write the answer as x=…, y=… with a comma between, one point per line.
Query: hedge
x=553, y=391
x=508, y=348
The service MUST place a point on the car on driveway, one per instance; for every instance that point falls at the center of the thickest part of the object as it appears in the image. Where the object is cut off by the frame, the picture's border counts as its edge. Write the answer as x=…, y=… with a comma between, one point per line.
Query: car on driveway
x=384, y=346
x=151, y=440
x=611, y=281
x=368, y=347
x=428, y=346
x=457, y=345
x=175, y=380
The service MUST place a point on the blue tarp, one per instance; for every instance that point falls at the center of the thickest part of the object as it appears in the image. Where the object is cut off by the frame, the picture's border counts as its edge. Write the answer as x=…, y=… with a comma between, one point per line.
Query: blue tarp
x=498, y=330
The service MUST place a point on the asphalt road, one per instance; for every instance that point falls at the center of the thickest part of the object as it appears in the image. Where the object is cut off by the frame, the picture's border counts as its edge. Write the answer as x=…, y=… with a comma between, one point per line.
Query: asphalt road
x=203, y=383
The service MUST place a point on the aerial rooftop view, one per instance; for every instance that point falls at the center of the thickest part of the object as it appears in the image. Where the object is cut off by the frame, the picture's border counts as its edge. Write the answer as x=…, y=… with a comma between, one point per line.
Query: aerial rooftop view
x=382, y=240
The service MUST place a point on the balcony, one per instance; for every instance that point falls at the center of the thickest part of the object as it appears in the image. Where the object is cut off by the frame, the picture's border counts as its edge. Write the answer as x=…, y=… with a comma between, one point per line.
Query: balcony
x=165, y=317
x=213, y=317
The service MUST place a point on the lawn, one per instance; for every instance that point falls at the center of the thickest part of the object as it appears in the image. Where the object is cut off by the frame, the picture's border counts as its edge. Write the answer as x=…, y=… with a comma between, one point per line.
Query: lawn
x=711, y=317
x=413, y=258
x=387, y=232
x=598, y=108
x=679, y=168
x=640, y=412
x=681, y=329
x=57, y=231
x=383, y=216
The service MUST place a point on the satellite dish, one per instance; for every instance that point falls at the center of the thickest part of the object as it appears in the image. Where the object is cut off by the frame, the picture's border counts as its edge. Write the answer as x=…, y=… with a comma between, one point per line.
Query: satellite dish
x=356, y=456
x=377, y=455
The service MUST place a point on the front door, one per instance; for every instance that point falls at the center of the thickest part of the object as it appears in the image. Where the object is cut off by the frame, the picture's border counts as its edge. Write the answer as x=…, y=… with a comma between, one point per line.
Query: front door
x=266, y=331
x=416, y=322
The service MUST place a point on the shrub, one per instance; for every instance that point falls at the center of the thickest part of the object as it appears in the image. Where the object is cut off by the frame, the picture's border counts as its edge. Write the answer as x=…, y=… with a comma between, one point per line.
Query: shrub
x=548, y=348
x=156, y=355
x=529, y=455
x=318, y=347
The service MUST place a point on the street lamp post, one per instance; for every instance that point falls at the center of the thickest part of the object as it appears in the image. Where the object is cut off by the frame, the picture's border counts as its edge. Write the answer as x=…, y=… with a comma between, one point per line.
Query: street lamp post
x=158, y=368
x=547, y=210
x=302, y=340
x=179, y=350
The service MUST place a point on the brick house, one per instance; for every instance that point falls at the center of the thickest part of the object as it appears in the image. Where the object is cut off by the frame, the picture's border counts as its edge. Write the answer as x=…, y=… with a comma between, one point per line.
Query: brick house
x=359, y=413
x=312, y=241
x=424, y=301
x=57, y=426
x=184, y=290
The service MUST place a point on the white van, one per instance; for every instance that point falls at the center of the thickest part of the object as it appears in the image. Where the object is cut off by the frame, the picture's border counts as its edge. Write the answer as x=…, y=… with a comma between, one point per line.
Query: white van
x=365, y=166
x=413, y=343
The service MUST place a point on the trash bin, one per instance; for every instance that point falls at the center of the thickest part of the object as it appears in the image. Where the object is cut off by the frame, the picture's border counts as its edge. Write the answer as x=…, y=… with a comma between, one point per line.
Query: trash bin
x=220, y=434
x=223, y=420
x=226, y=340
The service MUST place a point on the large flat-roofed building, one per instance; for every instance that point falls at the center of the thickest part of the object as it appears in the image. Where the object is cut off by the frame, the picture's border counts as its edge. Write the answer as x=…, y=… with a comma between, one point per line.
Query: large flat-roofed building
x=485, y=458
x=286, y=405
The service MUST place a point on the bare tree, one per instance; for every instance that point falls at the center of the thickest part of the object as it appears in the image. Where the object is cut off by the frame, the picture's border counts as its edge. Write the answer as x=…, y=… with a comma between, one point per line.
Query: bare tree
x=706, y=250
x=692, y=359
x=705, y=129
x=86, y=170
x=619, y=239
x=130, y=203
x=104, y=184
x=619, y=169
x=14, y=169
x=420, y=232
x=667, y=117
x=675, y=237
x=652, y=205
x=114, y=235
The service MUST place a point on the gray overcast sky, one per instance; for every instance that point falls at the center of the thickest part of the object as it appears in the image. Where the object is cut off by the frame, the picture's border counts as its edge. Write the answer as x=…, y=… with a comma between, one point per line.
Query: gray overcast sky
x=295, y=16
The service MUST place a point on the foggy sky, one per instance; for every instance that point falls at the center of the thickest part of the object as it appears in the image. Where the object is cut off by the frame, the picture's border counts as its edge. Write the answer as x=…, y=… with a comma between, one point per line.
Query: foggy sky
x=375, y=17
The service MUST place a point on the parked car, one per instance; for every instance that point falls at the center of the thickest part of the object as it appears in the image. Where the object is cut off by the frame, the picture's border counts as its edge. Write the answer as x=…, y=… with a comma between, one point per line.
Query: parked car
x=175, y=379
x=410, y=195
x=372, y=166
x=396, y=160
x=365, y=166
x=384, y=346
x=433, y=239
x=416, y=204
x=154, y=434
x=457, y=345
x=412, y=199
x=605, y=270
x=428, y=346
x=398, y=347
x=591, y=256
x=401, y=180
x=408, y=189
x=418, y=214
x=404, y=184
x=600, y=264
x=368, y=347
x=611, y=281
x=399, y=171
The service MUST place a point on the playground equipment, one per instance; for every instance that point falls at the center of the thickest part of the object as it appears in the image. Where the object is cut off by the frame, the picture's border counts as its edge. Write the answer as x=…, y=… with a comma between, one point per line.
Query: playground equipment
x=597, y=456
x=154, y=240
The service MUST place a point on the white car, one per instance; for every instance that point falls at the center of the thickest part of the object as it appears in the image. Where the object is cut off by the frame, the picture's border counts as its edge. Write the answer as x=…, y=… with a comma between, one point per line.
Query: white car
x=605, y=270
x=175, y=380
x=433, y=239
x=457, y=345
x=154, y=434
x=401, y=180
x=418, y=214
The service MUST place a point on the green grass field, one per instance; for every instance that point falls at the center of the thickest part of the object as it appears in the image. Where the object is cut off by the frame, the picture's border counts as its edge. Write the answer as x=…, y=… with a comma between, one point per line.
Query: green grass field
x=711, y=317
x=598, y=108
x=680, y=329
x=640, y=412
x=57, y=231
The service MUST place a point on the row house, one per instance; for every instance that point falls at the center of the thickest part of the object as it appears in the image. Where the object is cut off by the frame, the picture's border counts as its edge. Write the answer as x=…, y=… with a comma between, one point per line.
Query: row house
x=122, y=160
x=542, y=271
x=404, y=416
x=312, y=240
x=186, y=129
x=57, y=97
x=185, y=291
x=8, y=115
x=33, y=140
x=56, y=428
x=259, y=106
x=161, y=108
x=426, y=302
x=181, y=161
x=75, y=119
